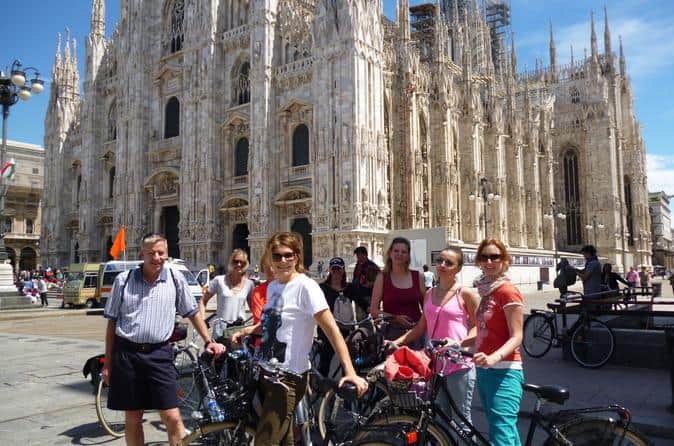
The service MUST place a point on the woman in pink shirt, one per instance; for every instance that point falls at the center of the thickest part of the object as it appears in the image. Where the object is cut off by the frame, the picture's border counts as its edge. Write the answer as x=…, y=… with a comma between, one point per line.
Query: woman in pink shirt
x=449, y=311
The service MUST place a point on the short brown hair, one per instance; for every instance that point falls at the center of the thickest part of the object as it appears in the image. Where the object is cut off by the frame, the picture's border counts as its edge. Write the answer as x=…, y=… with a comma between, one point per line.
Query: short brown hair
x=505, y=259
x=290, y=240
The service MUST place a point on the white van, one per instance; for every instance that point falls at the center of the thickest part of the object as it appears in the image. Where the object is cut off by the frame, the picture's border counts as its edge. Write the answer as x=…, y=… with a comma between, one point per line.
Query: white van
x=110, y=270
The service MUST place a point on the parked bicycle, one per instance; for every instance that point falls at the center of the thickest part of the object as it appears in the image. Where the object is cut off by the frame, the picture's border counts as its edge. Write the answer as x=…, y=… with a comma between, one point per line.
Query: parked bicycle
x=606, y=425
x=591, y=340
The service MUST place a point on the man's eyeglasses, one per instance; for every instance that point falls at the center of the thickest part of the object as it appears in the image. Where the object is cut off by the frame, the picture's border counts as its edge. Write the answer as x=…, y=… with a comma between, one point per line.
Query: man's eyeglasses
x=446, y=262
x=492, y=257
x=287, y=256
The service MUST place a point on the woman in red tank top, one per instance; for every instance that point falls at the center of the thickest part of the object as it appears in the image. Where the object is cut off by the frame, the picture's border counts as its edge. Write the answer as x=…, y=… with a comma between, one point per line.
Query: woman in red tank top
x=399, y=290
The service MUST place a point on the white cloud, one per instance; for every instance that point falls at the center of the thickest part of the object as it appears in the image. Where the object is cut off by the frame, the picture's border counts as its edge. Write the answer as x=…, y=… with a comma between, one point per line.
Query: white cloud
x=660, y=171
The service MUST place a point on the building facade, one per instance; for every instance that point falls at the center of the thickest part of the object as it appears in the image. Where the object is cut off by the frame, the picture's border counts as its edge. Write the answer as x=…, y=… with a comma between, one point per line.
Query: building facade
x=218, y=122
x=661, y=229
x=22, y=214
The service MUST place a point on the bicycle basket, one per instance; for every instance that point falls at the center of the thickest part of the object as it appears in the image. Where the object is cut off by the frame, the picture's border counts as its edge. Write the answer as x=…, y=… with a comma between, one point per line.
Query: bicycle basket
x=408, y=394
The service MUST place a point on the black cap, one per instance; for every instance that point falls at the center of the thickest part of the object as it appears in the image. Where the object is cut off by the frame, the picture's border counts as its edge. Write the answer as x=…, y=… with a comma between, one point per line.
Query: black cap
x=337, y=262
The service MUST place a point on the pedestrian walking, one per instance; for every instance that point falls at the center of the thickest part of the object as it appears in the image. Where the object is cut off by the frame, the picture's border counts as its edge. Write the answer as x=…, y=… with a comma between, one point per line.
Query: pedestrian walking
x=138, y=356
x=42, y=289
x=429, y=278
x=497, y=345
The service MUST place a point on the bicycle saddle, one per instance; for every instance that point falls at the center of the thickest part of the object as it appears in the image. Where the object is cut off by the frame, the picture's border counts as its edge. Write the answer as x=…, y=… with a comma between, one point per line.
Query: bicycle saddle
x=556, y=394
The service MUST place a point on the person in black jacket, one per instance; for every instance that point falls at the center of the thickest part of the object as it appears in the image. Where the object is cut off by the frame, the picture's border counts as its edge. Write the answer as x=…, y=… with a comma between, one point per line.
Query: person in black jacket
x=566, y=276
x=610, y=279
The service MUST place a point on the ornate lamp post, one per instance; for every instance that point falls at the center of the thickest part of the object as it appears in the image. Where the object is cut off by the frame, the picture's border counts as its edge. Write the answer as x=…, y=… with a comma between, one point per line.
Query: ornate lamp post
x=487, y=197
x=555, y=213
x=12, y=88
x=594, y=226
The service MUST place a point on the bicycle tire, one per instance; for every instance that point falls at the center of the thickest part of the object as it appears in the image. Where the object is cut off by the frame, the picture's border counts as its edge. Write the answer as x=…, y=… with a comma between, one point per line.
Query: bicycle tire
x=538, y=335
x=592, y=343
x=362, y=406
x=227, y=433
x=185, y=363
x=109, y=419
x=593, y=432
x=437, y=435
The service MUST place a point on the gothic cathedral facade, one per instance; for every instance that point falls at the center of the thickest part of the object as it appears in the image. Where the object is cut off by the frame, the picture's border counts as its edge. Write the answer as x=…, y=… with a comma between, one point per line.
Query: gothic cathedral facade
x=219, y=122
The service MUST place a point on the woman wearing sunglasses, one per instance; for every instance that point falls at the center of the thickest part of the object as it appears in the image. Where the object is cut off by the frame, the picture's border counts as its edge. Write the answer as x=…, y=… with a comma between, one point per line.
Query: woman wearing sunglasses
x=295, y=305
x=497, y=345
x=449, y=311
x=399, y=290
x=233, y=289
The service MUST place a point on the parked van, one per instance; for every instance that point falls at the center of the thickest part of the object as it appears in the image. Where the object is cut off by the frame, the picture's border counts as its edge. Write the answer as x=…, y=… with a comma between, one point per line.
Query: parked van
x=80, y=287
x=107, y=273
x=179, y=266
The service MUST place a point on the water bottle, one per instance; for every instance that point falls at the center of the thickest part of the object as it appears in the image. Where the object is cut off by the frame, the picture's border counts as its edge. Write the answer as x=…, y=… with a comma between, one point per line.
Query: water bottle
x=214, y=411
x=358, y=361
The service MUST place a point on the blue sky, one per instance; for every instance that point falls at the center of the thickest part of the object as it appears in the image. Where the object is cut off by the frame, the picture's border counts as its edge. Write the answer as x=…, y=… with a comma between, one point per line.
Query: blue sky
x=647, y=27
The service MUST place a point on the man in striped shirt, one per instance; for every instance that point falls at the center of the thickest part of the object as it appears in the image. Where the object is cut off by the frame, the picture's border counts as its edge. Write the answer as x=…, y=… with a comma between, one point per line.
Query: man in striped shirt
x=138, y=357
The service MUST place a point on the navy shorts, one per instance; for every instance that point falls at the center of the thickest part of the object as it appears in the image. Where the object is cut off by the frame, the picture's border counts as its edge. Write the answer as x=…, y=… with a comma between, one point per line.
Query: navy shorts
x=142, y=380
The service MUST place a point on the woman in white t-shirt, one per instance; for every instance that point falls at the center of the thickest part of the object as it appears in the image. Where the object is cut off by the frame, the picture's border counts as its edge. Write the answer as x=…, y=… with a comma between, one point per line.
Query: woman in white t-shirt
x=233, y=289
x=295, y=305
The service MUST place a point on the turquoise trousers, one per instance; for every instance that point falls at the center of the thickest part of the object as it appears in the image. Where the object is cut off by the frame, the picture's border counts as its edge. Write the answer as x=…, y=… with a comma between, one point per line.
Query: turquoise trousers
x=501, y=392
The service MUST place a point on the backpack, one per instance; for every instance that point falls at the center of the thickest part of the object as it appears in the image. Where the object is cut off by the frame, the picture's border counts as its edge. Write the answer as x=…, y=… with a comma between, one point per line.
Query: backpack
x=344, y=309
x=365, y=346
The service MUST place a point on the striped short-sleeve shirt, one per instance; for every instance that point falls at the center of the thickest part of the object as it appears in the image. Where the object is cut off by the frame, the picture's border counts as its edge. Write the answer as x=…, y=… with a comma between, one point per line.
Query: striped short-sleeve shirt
x=145, y=312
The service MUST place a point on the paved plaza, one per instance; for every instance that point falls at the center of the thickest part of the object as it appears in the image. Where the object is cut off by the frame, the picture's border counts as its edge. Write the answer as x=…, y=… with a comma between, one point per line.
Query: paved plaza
x=47, y=401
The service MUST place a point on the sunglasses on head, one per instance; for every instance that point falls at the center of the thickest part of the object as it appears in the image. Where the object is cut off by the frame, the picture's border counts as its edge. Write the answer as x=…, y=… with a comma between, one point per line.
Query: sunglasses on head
x=276, y=257
x=446, y=262
x=492, y=257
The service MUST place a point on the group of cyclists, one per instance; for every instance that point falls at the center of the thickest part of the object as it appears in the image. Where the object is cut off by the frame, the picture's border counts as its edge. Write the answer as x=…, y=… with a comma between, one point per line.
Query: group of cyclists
x=486, y=319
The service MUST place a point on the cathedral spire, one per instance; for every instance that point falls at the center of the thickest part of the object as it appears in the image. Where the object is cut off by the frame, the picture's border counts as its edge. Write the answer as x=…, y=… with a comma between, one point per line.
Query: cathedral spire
x=513, y=55
x=593, y=39
x=553, y=52
x=404, y=18
x=572, y=55
x=98, y=18
x=74, y=71
x=607, y=36
x=623, y=71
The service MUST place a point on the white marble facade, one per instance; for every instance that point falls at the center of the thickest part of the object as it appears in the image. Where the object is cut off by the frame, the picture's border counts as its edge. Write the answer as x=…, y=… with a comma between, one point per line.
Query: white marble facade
x=323, y=116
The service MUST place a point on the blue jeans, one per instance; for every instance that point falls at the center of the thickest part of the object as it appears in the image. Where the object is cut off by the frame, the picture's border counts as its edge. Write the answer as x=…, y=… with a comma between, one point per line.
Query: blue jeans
x=501, y=392
x=460, y=386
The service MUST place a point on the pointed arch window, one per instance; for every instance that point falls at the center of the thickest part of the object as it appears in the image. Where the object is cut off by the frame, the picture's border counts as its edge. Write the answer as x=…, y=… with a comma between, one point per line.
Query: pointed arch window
x=241, y=157
x=572, y=198
x=300, y=145
x=242, y=84
x=172, y=118
x=8, y=224
x=629, y=211
x=575, y=95
x=29, y=226
x=77, y=190
x=112, y=122
x=111, y=181
x=176, y=31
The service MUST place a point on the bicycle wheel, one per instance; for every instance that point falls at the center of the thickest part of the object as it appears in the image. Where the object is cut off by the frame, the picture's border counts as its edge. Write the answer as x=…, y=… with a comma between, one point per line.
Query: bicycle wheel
x=594, y=432
x=188, y=396
x=341, y=415
x=394, y=424
x=228, y=433
x=538, y=335
x=592, y=343
x=111, y=420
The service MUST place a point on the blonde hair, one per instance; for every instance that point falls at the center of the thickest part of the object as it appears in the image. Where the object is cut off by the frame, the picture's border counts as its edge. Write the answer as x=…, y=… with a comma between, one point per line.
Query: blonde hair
x=389, y=263
x=238, y=252
x=290, y=240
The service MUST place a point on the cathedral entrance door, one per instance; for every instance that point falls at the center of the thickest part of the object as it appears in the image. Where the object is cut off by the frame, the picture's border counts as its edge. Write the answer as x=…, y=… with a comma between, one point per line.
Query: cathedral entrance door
x=240, y=237
x=170, y=217
x=303, y=227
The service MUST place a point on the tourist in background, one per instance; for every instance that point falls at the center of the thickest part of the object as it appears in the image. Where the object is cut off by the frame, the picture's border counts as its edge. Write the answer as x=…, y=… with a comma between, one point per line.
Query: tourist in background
x=633, y=276
x=364, y=275
x=610, y=279
x=497, y=345
x=429, y=278
x=399, y=290
x=233, y=290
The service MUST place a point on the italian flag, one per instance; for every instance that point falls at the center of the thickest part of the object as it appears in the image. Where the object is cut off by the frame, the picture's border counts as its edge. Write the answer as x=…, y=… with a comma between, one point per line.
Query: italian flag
x=8, y=170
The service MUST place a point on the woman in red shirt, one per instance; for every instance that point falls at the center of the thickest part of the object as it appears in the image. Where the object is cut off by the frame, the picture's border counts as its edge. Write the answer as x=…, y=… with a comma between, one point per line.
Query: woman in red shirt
x=497, y=344
x=399, y=290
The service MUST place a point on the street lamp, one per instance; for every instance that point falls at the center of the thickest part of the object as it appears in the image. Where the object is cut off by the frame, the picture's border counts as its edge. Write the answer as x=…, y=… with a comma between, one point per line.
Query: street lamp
x=13, y=88
x=594, y=226
x=555, y=212
x=487, y=197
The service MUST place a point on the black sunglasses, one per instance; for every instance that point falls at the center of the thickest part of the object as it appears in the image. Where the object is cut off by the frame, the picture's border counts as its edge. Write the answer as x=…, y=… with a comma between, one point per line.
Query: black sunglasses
x=446, y=262
x=276, y=257
x=492, y=257
x=238, y=262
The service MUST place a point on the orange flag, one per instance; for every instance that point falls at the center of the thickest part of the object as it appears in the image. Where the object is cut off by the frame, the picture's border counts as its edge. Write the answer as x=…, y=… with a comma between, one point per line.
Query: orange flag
x=120, y=244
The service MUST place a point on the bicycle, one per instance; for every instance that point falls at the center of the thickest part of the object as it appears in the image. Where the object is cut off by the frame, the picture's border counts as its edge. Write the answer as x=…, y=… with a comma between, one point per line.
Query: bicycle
x=592, y=342
x=572, y=427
